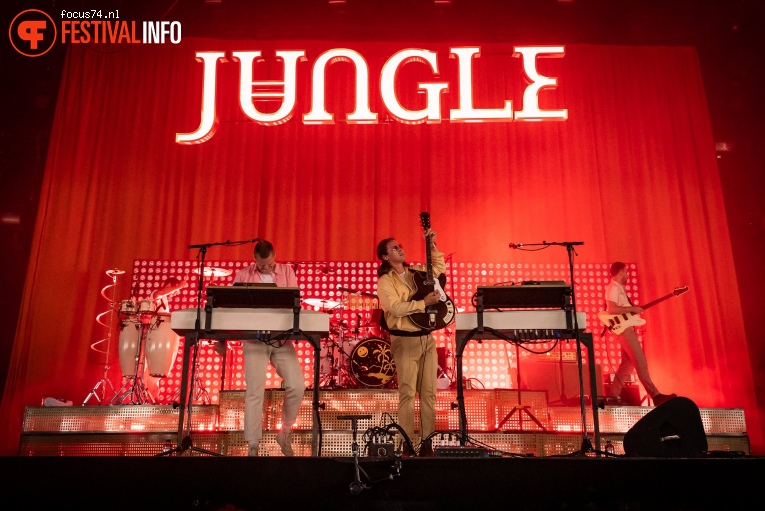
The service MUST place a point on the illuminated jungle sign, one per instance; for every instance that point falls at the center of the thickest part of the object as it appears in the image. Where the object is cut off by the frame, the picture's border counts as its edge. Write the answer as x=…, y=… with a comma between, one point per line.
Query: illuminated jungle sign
x=285, y=91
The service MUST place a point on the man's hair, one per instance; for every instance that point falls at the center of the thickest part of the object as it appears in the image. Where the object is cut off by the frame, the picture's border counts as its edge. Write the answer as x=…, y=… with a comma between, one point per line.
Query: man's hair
x=382, y=250
x=264, y=249
x=616, y=268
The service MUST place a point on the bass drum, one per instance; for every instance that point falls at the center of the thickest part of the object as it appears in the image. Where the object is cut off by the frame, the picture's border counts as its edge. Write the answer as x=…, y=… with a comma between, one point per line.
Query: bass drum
x=372, y=364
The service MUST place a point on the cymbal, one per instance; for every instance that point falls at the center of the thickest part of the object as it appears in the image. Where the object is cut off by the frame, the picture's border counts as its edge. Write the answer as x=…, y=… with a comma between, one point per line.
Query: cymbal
x=168, y=290
x=319, y=302
x=212, y=271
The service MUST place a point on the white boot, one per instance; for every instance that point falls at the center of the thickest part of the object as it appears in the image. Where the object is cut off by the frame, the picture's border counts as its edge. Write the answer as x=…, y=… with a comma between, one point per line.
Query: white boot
x=284, y=439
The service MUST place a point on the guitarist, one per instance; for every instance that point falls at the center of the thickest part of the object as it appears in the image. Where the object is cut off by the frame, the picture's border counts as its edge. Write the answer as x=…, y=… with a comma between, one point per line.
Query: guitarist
x=413, y=349
x=633, y=356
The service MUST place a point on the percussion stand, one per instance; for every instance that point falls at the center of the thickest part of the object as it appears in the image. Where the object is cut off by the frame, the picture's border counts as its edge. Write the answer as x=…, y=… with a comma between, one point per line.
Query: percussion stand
x=104, y=381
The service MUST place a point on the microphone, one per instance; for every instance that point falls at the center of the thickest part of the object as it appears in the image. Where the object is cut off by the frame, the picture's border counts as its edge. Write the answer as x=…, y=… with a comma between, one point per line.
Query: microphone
x=255, y=240
x=515, y=245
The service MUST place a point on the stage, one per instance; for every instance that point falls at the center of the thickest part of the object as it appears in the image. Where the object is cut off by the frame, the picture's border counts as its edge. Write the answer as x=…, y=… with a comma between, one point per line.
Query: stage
x=532, y=483
x=130, y=457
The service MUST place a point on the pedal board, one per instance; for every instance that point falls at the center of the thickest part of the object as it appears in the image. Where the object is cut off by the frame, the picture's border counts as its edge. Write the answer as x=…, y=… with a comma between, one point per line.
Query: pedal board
x=460, y=451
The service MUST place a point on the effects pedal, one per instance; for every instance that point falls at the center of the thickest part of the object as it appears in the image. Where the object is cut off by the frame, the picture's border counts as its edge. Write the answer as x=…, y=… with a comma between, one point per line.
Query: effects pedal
x=381, y=450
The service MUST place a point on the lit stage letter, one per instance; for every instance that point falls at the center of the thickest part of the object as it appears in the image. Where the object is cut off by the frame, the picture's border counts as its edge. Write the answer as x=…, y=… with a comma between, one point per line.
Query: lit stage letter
x=268, y=88
x=209, y=121
x=531, y=111
x=318, y=113
x=466, y=112
x=432, y=111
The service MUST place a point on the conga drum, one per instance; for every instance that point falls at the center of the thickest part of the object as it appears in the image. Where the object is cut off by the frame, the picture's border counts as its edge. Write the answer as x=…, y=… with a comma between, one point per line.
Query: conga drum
x=129, y=343
x=161, y=347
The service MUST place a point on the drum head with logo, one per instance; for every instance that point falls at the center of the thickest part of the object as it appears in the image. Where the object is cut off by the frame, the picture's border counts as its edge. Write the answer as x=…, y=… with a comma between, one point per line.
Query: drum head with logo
x=372, y=363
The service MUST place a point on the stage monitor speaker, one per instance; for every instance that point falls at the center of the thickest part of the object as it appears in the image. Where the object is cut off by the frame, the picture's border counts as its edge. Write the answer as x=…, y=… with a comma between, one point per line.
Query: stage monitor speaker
x=672, y=430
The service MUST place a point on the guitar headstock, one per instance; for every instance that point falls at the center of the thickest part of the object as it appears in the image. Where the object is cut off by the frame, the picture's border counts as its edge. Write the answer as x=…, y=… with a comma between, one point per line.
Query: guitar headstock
x=425, y=220
x=680, y=290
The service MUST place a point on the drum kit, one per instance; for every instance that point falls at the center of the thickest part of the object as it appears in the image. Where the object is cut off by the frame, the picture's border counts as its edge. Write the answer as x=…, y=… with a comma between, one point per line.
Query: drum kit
x=356, y=355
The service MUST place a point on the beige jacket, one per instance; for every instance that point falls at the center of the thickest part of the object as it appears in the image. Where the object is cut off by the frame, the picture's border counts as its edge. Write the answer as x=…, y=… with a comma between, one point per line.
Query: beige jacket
x=395, y=294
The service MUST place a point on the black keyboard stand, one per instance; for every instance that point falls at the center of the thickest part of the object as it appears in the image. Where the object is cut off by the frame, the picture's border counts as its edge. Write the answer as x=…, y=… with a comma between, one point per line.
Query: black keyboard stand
x=482, y=332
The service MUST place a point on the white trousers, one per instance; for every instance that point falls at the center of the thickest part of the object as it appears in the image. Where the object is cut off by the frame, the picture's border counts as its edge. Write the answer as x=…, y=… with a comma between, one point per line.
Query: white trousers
x=633, y=357
x=257, y=354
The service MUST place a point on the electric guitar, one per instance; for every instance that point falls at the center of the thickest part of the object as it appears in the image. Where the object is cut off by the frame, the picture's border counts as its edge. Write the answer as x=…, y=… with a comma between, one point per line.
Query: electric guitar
x=617, y=323
x=441, y=313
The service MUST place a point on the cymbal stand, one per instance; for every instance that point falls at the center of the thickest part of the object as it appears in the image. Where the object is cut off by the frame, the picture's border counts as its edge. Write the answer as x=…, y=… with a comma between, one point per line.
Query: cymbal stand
x=520, y=407
x=330, y=380
x=138, y=393
x=344, y=379
x=100, y=386
x=199, y=393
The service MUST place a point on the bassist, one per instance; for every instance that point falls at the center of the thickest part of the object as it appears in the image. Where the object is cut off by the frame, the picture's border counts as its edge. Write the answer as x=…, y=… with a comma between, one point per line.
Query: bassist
x=413, y=349
x=633, y=356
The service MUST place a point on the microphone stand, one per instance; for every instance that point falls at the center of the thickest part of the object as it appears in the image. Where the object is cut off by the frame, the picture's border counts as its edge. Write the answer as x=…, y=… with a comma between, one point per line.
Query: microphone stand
x=586, y=445
x=185, y=442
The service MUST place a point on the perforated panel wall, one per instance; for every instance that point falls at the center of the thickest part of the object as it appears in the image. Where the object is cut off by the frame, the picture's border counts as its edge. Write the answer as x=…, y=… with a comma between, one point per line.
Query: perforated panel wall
x=488, y=364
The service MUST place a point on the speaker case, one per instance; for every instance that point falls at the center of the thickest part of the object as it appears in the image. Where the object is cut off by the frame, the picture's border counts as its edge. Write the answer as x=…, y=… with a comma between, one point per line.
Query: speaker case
x=672, y=430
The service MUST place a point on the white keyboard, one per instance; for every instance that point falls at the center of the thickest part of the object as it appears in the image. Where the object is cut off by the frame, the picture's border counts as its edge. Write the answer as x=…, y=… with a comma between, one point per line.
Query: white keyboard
x=519, y=320
x=230, y=322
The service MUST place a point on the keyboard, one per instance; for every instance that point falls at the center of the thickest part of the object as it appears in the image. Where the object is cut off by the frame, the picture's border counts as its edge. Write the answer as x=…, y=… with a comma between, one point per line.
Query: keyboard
x=536, y=324
x=242, y=323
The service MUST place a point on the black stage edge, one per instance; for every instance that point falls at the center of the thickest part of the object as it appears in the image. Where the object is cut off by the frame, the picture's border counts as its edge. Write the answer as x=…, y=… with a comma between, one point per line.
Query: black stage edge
x=249, y=484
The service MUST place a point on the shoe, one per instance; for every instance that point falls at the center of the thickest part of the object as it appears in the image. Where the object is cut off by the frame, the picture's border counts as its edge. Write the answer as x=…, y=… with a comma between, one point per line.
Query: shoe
x=252, y=450
x=284, y=439
x=611, y=401
x=660, y=399
x=426, y=450
x=406, y=451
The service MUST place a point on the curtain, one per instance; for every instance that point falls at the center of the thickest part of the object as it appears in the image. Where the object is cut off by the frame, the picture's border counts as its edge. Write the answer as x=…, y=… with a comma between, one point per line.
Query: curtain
x=632, y=173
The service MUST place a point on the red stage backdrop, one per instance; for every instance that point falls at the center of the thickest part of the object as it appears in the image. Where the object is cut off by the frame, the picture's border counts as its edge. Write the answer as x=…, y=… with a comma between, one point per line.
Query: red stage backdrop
x=632, y=173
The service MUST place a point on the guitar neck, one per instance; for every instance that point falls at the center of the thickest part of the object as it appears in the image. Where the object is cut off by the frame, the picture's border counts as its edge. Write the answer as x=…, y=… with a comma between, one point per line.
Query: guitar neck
x=428, y=259
x=657, y=301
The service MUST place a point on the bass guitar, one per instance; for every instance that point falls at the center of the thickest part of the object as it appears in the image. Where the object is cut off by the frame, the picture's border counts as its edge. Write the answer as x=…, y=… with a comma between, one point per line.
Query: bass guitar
x=441, y=313
x=617, y=323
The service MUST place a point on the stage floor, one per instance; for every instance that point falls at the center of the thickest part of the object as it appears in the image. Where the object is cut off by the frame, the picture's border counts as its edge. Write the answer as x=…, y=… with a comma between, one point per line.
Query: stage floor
x=264, y=483
x=114, y=457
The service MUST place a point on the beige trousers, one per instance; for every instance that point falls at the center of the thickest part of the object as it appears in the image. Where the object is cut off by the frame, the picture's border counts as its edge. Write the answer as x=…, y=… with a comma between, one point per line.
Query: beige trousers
x=416, y=370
